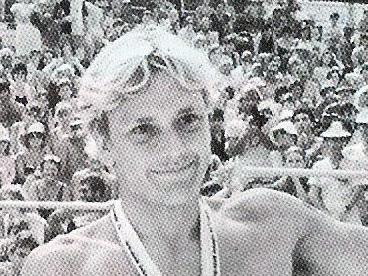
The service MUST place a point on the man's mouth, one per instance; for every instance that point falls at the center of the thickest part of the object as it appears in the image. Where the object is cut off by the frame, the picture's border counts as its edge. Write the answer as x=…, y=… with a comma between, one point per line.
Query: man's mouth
x=174, y=170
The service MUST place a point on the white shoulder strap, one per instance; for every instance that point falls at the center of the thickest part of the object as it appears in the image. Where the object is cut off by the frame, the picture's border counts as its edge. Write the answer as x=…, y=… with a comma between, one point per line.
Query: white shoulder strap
x=132, y=244
x=209, y=245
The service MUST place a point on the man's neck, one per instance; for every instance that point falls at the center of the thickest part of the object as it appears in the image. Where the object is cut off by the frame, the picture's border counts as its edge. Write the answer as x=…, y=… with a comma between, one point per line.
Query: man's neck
x=148, y=216
x=169, y=233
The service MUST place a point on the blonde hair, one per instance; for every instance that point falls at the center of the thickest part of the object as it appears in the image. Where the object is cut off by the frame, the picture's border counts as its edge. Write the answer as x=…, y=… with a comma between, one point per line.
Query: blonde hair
x=126, y=65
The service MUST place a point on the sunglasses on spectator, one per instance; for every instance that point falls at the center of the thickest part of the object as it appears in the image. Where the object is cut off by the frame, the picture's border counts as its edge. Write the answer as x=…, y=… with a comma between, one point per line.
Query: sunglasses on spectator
x=76, y=127
x=37, y=135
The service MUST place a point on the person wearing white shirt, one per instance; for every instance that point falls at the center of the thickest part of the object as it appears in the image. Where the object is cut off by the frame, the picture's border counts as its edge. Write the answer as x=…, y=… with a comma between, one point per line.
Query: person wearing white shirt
x=335, y=194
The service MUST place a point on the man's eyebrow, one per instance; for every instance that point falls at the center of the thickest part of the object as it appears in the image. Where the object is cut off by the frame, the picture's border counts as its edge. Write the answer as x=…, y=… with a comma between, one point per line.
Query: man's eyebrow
x=144, y=120
x=186, y=110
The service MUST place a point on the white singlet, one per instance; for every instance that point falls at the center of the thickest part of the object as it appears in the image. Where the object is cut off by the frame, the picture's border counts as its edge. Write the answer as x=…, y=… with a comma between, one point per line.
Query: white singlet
x=145, y=266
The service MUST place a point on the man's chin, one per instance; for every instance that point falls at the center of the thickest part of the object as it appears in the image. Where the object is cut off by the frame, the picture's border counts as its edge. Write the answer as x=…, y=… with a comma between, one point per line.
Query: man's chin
x=175, y=198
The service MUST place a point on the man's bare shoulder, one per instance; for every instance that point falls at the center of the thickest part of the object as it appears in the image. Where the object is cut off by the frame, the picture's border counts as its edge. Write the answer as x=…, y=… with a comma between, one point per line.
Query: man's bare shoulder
x=88, y=251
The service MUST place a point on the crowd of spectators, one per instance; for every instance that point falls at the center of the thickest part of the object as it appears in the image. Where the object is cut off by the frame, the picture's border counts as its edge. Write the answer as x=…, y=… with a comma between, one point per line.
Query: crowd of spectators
x=294, y=94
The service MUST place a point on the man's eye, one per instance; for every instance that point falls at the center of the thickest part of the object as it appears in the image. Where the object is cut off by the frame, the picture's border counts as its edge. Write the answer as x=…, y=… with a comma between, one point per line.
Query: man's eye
x=143, y=133
x=188, y=121
x=143, y=129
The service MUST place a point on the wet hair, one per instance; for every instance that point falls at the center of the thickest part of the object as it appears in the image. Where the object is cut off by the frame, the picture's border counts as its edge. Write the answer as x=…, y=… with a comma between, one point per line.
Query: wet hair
x=128, y=63
x=126, y=66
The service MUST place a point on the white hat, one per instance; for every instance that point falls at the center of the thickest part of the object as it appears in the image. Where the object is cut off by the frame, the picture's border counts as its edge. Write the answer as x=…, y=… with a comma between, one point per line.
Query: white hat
x=286, y=114
x=52, y=157
x=36, y=127
x=76, y=122
x=246, y=53
x=362, y=117
x=63, y=81
x=335, y=130
x=63, y=106
x=288, y=126
x=304, y=47
x=6, y=52
x=65, y=67
x=267, y=104
x=264, y=55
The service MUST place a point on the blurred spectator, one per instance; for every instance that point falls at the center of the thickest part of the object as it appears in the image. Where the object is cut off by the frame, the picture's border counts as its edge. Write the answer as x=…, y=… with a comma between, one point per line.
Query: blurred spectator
x=48, y=187
x=98, y=171
x=7, y=160
x=35, y=141
x=10, y=111
x=27, y=37
x=72, y=149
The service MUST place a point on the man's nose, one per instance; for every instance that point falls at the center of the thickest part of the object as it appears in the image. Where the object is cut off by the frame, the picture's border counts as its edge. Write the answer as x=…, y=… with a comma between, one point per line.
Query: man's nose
x=170, y=142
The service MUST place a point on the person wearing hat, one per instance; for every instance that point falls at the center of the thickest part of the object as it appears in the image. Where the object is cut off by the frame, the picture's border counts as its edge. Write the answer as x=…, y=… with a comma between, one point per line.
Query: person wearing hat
x=35, y=142
x=187, y=32
x=328, y=193
x=61, y=122
x=326, y=61
x=7, y=160
x=6, y=60
x=283, y=136
x=294, y=157
x=65, y=89
x=334, y=34
x=304, y=121
x=72, y=148
x=355, y=157
x=27, y=37
x=21, y=91
x=241, y=73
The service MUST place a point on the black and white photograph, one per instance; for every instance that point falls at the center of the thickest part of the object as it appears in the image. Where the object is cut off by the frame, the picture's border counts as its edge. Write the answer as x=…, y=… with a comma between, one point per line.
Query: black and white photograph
x=183, y=138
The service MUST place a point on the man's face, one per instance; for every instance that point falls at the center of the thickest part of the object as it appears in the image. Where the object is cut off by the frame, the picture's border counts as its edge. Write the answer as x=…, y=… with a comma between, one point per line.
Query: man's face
x=50, y=170
x=64, y=115
x=7, y=61
x=77, y=132
x=4, y=96
x=35, y=140
x=3, y=146
x=65, y=92
x=161, y=142
x=294, y=160
x=19, y=77
x=302, y=122
x=284, y=139
x=365, y=74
